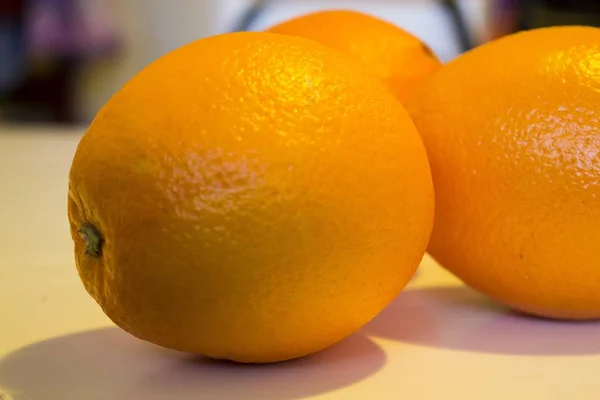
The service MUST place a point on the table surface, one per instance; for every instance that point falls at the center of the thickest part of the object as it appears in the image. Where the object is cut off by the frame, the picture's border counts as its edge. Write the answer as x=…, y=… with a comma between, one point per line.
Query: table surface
x=437, y=340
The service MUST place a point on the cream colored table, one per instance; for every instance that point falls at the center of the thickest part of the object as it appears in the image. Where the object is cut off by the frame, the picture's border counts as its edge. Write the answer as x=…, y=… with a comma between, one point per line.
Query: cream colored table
x=438, y=340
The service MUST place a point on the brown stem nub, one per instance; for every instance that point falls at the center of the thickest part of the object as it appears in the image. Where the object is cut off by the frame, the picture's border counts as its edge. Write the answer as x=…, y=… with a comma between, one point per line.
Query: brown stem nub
x=427, y=49
x=93, y=240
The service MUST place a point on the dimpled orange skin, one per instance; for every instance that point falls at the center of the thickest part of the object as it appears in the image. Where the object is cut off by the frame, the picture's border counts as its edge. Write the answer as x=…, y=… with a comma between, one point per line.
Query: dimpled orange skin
x=512, y=131
x=397, y=57
x=259, y=197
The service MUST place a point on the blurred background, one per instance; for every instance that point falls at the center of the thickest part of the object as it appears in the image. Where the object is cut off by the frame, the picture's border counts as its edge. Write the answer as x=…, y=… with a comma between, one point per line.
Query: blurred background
x=60, y=60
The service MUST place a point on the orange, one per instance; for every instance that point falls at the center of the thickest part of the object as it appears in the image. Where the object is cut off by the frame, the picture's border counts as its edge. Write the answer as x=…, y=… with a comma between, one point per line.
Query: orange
x=512, y=131
x=397, y=57
x=250, y=196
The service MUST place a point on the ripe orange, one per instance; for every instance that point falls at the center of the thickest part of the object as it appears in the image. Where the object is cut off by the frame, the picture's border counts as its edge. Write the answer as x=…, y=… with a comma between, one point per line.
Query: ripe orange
x=250, y=196
x=512, y=129
x=397, y=57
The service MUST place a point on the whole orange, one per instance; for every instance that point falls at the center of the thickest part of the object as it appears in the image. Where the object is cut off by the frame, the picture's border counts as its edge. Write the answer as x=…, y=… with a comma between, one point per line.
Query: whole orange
x=397, y=57
x=249, y=196
x=512, y=130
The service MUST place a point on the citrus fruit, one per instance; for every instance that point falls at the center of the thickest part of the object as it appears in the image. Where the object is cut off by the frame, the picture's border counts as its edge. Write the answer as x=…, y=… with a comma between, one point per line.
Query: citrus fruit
x=512, y=130
x=397, y=57
x=251, y=196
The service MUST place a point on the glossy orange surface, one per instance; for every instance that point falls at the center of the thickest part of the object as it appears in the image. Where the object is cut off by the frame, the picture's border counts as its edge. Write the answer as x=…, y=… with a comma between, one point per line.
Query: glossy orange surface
x=513, y=134
x=258, y=198
x=397, y=57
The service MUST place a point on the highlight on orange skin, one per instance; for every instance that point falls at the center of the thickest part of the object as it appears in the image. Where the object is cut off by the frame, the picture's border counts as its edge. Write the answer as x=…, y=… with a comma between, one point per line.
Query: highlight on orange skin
x=394, y=55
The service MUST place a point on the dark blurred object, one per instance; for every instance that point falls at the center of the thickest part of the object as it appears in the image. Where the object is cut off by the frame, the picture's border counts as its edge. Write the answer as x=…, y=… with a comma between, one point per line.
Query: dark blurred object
x=510, y=16
x=11, y=43
x=250, y=15
x=460, y=24
x=48, y=42
x=543, y=13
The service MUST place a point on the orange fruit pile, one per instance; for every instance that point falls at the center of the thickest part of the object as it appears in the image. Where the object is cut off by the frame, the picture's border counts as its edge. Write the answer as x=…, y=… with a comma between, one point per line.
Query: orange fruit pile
x=512, y=129
x=260, y=196
x=397, y=57
x=251, y=196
